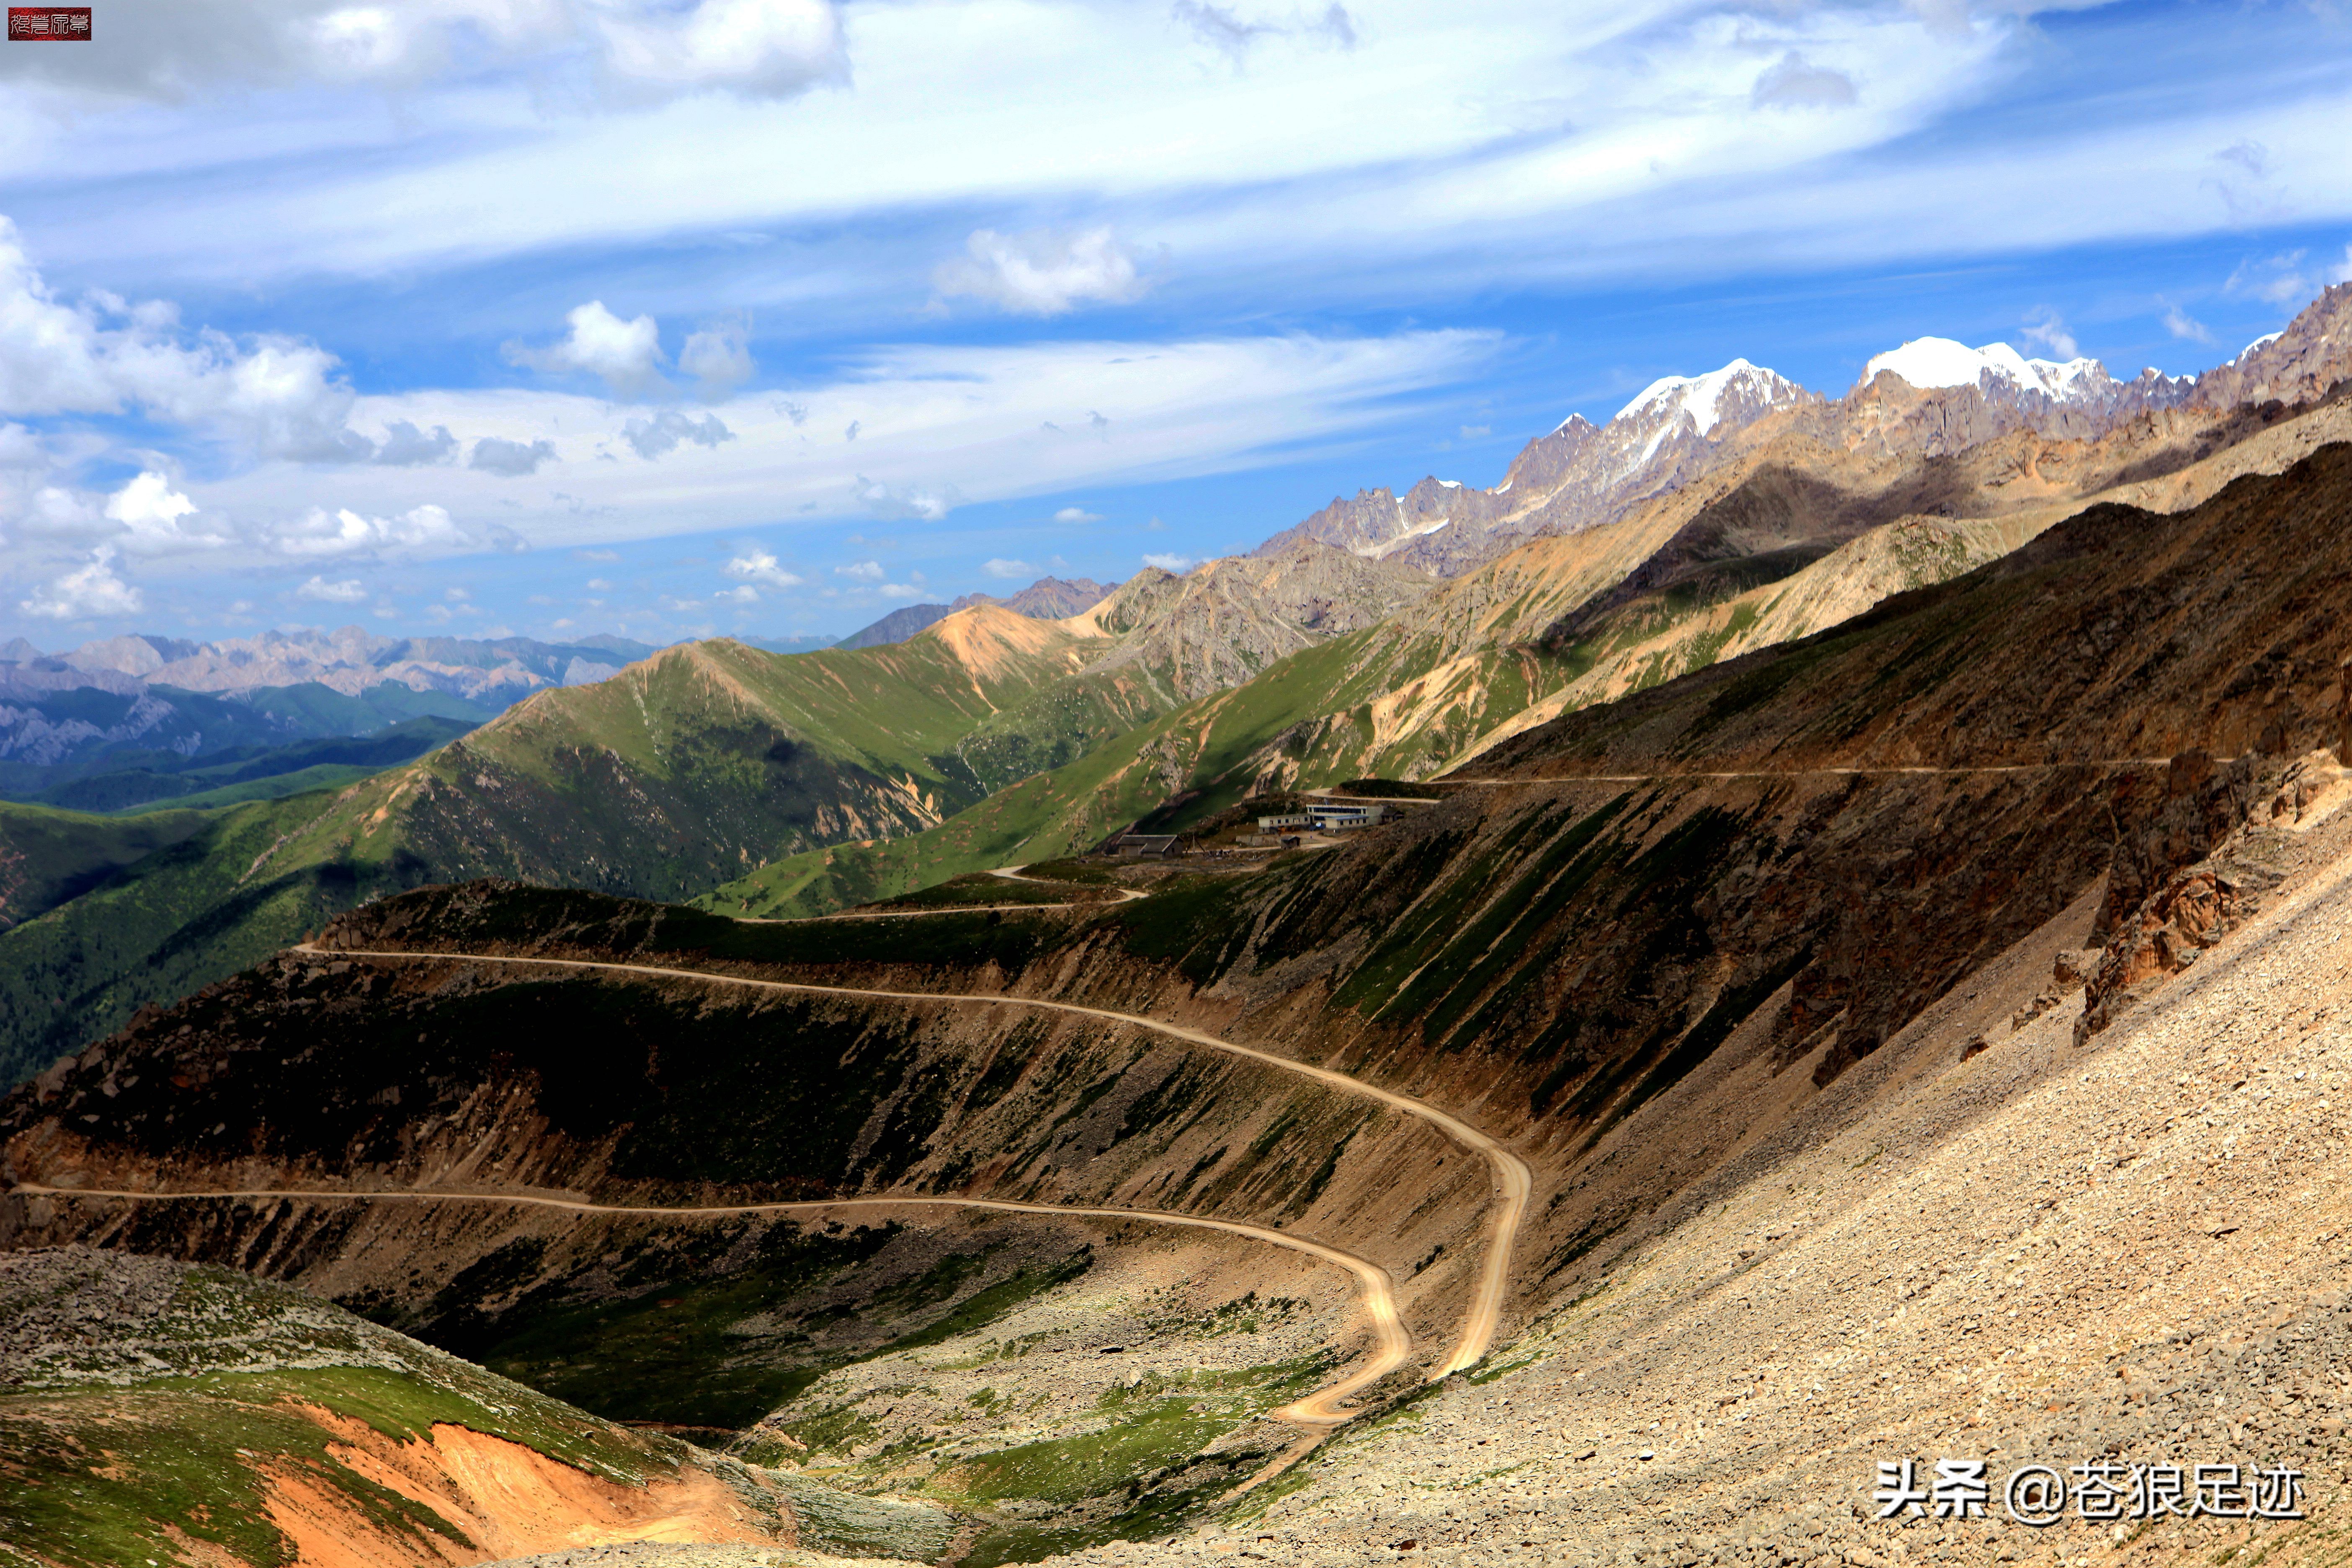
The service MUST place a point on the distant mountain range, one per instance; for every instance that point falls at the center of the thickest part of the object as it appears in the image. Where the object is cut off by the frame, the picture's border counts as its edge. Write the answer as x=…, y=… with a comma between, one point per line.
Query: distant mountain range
x=1930, y=397
x=497, y=670
x=1046, y=599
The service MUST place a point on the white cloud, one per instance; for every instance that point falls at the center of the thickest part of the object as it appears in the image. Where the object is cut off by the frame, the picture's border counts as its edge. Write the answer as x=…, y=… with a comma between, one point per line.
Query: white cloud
x=278, y=397
x=1075, y=514
x=90, y=592
x=1477, y=432
x=1628, y=132
x=888, y=501
x=624, y=353
x=760, y=567
x=863, y=571
x=599, y=586
x=346, y=532
x=151, y=513
x=1044, y=272
x=2183, y=325
x=663, y=432
x=496, y=454
x=345, y=591
x=2045, y=328
x=2283, y=280
x=758, y=49
x=970, y=413
x=718, y=358
x=1179, y=565
x=1008, y=569
x=746, y=595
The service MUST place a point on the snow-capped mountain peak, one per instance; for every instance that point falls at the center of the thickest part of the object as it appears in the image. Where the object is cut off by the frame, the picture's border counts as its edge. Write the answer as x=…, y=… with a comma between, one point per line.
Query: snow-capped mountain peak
x=1703, y=397
x=2261, y=343
x=1931, y=363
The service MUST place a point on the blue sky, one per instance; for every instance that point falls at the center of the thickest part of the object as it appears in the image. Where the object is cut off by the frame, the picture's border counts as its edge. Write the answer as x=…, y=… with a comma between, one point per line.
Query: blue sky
x=556, y=316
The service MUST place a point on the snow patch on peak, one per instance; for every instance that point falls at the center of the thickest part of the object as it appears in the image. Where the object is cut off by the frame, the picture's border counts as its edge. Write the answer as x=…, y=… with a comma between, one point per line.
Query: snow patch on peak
x=2267, y=338
x=1930, y=363
x=1701, y=397
x=1572, y=419
x=1451, y=484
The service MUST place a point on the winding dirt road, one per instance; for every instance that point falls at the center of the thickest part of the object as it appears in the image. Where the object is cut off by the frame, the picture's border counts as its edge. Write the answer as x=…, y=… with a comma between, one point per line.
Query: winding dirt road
x=1806, y=773
x=1321, y=1410
x=1511, y=1177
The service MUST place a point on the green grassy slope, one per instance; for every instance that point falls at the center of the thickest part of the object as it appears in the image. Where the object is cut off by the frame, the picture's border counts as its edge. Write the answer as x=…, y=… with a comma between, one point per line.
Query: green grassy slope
x=1404, y=700
x=1200, y=746
x=694, y=765
x=205, y=774
x=47, y=856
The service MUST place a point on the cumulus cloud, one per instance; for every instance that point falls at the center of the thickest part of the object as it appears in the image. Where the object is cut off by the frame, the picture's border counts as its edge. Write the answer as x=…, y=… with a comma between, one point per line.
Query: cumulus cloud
x=406, y=447
x=892, y=501
x=346, y=532
x=2183, y=325
x=1179, y=565
x=1044, y=272
x=625, y=355
x=495, y=455
x=663, y=431
x=755, y=49
x=718, y=358
x=151, y=513
x=1076, y=514
x=1795, y=82
x=745, y=595
x=2044, y=327
x=1008, y=569
x=346, y=591
x=862, y=571
x=86, y=594
x=760, y=567
x=276, y=396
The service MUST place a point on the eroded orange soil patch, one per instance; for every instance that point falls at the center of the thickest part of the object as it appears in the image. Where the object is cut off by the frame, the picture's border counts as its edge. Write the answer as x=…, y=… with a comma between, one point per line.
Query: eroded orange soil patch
x=508, y=1501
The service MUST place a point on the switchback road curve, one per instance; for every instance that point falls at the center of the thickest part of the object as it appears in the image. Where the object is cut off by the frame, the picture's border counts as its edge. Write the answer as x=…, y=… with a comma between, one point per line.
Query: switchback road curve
x=1319, y=1410
x=1512, y=1181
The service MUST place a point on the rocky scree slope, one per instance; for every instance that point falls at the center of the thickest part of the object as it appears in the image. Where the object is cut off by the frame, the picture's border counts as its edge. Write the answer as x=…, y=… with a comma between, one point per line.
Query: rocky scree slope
x=1997, y=1240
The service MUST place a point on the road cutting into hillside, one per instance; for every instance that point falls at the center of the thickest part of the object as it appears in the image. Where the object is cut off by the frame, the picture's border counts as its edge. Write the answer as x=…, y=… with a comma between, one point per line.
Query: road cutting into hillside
x=1009, y=873
x=1511, y=1176
x=1321, y=1411
x=1806, y=773
x=1012, y=873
